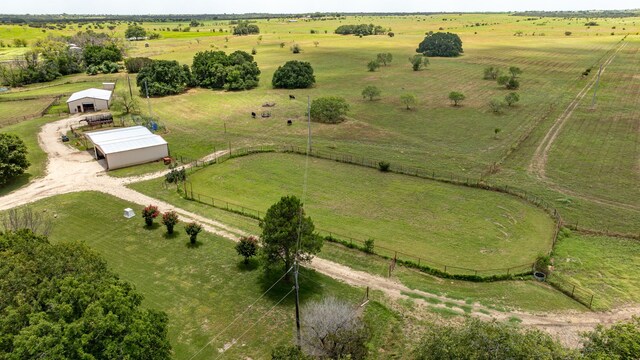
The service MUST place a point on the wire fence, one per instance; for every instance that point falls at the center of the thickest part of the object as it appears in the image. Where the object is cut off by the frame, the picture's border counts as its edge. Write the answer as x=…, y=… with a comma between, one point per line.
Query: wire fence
x=407, y=259
x=581, y=295
x=19, y=119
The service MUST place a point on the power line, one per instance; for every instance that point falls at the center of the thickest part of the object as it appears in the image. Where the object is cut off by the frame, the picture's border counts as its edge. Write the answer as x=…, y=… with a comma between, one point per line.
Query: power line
x=256, y=323
x=241, y=314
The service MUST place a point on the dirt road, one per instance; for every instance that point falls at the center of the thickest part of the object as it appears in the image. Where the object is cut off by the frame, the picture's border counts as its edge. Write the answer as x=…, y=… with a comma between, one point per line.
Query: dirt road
x=70, y=170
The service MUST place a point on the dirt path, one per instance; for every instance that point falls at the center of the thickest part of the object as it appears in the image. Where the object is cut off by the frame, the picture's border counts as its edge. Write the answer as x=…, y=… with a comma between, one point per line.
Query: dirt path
x=70, y=170
x=538, y=163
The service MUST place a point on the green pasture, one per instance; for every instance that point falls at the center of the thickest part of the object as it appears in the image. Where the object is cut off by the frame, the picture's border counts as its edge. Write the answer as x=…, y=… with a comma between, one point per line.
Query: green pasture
x=443, y=223
x=12, y=112
x=605, y=266
x=202, y=289
x=525, y=295
x=597, y=152
x=28, y=132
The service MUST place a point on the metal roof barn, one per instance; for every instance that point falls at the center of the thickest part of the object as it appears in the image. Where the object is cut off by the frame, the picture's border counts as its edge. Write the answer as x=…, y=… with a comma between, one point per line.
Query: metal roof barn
x=89, y=100
x=124, y=147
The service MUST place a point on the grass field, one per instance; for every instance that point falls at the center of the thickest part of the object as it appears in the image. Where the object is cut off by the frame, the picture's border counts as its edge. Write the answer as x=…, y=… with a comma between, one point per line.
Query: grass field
x=16, y=111
x=434, y=135
x=526, y=295
x=604, y=142
x=448, y=224
x=202, y=289
x=28, y=132
x=604, y=265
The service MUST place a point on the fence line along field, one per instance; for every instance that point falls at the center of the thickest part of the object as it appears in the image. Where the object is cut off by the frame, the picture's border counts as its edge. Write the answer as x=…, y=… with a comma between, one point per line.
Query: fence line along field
x=201, y=288
x=597, y=152
x=445, y=223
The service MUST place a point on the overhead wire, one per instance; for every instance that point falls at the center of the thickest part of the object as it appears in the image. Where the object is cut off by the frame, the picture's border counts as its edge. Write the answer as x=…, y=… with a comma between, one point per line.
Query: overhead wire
x=241, y=314
x=256, y=323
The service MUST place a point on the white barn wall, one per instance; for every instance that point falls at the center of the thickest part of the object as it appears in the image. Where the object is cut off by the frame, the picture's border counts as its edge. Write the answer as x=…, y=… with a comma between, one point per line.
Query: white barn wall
x=99, y=104
x=137, y=156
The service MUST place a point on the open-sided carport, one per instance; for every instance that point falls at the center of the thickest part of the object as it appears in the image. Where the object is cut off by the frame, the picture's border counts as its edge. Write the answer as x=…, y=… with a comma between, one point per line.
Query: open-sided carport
x=129, y=146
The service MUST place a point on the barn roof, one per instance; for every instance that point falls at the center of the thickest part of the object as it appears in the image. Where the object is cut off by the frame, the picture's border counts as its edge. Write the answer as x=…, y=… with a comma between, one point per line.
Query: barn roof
x=91, y=93
x=124, y=139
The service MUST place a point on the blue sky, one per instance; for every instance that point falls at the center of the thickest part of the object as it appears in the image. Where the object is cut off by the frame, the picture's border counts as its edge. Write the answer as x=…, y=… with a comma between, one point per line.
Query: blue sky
x=266, y=6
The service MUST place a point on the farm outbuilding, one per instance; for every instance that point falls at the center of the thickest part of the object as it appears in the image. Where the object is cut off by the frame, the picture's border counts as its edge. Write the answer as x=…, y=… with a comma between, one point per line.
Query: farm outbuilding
x=124, y=147
x=89, y=100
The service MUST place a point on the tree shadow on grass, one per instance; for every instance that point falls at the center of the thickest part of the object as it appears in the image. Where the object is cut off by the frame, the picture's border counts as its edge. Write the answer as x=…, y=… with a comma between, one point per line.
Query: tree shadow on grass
x=251, y=265
x=195, y=245
x=310, y=284
x=174, y=235
x=153, y=226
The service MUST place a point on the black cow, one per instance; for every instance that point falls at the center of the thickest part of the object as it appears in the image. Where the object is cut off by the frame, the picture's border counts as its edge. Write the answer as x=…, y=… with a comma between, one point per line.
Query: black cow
x=253, y=115
x=289, y=122
x=291, y=97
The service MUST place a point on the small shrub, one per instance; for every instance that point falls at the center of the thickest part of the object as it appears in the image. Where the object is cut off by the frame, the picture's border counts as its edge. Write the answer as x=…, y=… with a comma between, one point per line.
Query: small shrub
x=542, y=264
x=568, y=33
x=169, y=220
x=149, y=213
x=369, y=246
x=511, y=98
x=247, y=247
x=496, y=106
x=384, y=166
x=193, y=229
x=373, y=65
x=254, y=51
x=296, y=49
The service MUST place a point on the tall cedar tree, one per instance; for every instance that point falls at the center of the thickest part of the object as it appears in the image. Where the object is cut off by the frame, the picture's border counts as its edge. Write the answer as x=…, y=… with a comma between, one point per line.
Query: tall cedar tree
x=280, y=228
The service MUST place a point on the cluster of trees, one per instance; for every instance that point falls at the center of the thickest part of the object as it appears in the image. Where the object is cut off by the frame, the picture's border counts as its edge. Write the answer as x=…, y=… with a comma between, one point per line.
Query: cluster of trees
x=135, y=31
x=135, y=64
x=293, y=75
x=217, y=70
x=497, y=105
x=60, y=301
x=13, y=157
x=418, y=62
x=164, y=77
x=210, y=69
x=52, y=57
x=245, y=28
x=382, y=59
x=441, y=44
x=510, y=80
x=361, y=30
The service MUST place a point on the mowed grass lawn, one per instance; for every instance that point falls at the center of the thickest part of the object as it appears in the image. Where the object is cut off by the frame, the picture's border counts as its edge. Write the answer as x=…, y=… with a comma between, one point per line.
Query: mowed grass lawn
x=606, y=266
x=12, y=112
x=202, y=289
x=28, y=131
x=448, y=224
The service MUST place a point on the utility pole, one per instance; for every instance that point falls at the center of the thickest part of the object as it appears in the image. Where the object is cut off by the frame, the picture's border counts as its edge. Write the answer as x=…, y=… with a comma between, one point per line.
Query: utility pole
x=129, y=81
x=309, y=122
x=595, y=92
x=146, y=87
x=297, y=287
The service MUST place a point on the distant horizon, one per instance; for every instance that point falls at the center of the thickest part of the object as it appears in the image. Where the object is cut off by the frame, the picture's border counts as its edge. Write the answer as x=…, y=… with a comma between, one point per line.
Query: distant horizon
x=202, y=7
x=320, y=12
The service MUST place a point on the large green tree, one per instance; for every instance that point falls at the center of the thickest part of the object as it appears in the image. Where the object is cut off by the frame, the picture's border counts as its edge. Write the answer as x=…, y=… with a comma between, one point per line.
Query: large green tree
x=618, y=342
x=13, y=157
x=441, y=44
x=294, y=75
x=163, y=77
x=135, y=31
x=329, y=109
x=283, y=228
x=97, y=54
x=477, y=339
x=60, y=301
x=217, y=70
